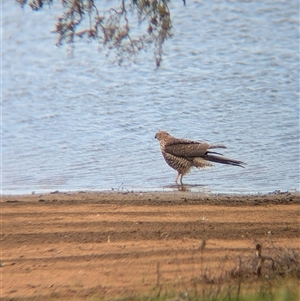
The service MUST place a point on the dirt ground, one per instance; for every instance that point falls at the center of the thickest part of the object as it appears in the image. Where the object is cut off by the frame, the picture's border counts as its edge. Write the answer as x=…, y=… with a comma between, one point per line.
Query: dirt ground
x=78, y=245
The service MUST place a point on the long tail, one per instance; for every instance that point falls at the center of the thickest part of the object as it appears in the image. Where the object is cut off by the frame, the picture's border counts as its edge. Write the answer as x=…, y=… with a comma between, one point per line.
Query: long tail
x=223, y=160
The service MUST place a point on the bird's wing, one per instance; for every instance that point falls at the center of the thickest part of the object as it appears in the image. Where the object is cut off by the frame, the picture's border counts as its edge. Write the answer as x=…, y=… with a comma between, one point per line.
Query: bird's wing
x=186, y=148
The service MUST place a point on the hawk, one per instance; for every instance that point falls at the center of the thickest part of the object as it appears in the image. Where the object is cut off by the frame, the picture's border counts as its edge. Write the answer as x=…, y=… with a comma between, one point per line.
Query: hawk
x=182, y=154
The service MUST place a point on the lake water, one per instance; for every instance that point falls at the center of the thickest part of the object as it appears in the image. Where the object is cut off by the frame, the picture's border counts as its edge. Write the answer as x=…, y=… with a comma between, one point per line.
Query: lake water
x=229, y=75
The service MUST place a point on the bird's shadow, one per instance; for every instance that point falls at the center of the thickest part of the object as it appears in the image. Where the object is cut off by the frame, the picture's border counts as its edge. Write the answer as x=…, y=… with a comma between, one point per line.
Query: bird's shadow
x=185, y=187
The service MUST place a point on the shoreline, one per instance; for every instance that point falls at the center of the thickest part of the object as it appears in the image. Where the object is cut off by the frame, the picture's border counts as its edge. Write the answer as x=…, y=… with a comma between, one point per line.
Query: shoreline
x=173, y=188
x=155, y=198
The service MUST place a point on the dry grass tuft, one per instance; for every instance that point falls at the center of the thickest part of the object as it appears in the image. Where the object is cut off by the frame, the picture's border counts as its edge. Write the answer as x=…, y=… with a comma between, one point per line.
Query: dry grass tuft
x=266, y=274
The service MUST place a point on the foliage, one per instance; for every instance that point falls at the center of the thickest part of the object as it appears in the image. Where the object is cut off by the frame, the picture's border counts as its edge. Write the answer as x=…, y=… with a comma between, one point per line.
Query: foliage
x=113, y=28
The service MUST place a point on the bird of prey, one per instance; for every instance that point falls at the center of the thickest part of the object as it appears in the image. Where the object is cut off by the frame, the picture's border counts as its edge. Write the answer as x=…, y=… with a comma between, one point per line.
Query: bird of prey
x=182, y=154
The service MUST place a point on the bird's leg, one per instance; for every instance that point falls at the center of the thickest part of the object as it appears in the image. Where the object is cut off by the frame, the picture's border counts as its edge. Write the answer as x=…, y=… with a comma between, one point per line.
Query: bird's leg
x=177, y=178
x=181, y=176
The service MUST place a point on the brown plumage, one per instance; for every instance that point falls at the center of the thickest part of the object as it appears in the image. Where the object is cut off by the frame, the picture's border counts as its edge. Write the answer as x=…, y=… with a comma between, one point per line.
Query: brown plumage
x=182, y=154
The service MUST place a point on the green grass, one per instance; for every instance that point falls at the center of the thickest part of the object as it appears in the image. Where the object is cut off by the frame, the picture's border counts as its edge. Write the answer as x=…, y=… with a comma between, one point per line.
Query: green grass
x=262, y=290
x=284, y=293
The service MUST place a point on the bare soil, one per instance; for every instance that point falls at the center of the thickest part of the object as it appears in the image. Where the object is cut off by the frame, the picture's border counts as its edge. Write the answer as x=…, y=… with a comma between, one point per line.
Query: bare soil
x=73, y=246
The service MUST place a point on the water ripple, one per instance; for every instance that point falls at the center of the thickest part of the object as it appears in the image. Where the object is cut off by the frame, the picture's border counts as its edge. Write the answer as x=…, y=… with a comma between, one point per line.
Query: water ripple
x=84, y=123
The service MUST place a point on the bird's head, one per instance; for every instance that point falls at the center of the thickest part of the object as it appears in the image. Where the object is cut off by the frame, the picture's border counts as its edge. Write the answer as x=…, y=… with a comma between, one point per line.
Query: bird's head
x=162, y=135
